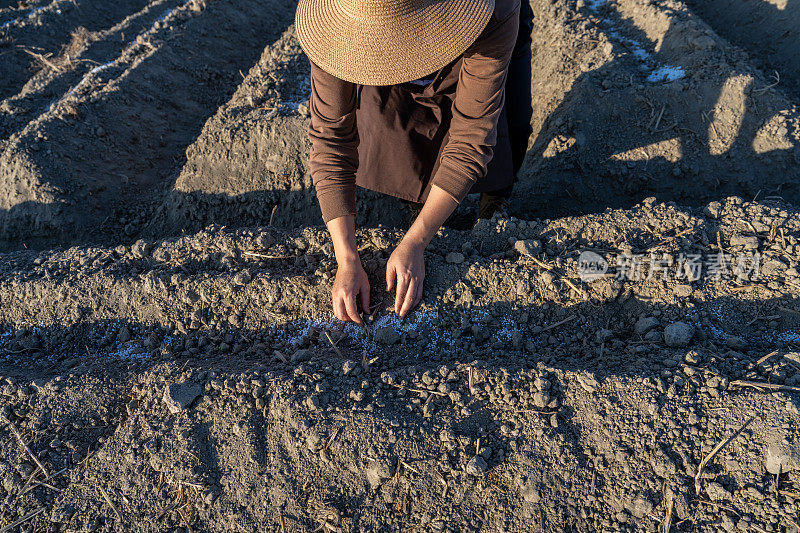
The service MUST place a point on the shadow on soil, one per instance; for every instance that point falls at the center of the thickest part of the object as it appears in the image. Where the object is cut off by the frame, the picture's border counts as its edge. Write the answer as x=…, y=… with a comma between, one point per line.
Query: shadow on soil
x=768, y=29
x=577, y=180
x=115, y=157
x=77, y=350
x=585, y=178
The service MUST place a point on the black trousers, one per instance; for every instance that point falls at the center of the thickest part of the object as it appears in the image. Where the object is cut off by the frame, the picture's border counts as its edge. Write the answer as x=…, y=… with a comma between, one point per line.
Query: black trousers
x=519, y=109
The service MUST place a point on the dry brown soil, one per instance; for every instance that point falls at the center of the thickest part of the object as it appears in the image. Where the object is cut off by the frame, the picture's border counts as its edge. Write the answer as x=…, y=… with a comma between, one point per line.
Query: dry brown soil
x=168, y=359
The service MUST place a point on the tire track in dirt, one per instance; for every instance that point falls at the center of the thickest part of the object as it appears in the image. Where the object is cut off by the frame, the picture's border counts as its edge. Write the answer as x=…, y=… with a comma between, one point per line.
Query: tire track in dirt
x=165, y=87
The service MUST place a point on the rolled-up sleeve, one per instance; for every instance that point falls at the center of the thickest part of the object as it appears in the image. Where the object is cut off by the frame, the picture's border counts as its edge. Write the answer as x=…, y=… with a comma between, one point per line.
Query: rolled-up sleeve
x=334, y=143
x=479, y=100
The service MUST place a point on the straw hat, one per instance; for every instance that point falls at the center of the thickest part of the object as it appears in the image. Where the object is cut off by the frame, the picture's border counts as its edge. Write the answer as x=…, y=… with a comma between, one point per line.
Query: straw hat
x=385, y=42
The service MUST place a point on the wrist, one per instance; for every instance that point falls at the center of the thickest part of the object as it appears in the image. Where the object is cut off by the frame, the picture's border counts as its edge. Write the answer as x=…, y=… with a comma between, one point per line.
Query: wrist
x=348, y=259
x=416, y=238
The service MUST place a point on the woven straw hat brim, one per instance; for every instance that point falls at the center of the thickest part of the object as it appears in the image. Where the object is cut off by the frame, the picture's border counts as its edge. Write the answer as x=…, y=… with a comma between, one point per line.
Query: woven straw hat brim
x=389, y=49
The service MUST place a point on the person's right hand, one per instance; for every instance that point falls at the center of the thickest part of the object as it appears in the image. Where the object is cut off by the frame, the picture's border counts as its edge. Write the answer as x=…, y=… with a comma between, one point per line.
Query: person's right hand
x=350, y=288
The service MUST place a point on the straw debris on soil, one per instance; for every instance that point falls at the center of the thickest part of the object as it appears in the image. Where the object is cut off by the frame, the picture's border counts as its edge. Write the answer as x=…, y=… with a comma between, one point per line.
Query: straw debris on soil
x=168, y=356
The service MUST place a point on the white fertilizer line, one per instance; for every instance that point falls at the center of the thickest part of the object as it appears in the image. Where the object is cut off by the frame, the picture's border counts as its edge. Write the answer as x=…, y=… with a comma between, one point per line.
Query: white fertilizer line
x=666, y=74
x=657, y=73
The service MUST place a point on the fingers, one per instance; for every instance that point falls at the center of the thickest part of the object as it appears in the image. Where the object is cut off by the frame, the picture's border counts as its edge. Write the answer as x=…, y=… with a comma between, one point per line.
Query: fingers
x=391, y=275
x=339, y=309
x=351, y=281
x=365, y=298
x=352, y=309
x=400, y=296
x=346, y=309
x=411, y=298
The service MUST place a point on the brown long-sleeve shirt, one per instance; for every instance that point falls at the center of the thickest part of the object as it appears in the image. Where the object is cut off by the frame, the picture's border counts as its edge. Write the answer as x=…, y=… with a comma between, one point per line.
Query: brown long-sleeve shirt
x=401, y=139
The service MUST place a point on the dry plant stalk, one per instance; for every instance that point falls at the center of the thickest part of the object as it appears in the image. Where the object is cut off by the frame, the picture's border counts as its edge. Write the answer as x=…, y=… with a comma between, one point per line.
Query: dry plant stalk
x=777, y=77
x=32, y=514
x=714, y=452
x=18, y=435
x=43, y=59
x=332, y=437
x=573, y=287
x=436, y=392
x=42, y=482
x=109, y=502
x=768, y=356
x=335, y=348
x=774, y=387
x=266, y=256
x=559, y=323
x=666, y=525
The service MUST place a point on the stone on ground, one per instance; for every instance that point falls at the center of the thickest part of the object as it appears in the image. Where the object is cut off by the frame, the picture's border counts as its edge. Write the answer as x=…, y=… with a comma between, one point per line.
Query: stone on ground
x=678, y=335
x=179, y=396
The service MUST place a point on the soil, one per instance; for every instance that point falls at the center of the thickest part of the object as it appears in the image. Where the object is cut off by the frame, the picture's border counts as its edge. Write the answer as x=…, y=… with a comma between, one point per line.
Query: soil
x=119, y=118
x=641, y=99
x=168, y=356
x=610, y=128
x=768, y=31
x=518, y=398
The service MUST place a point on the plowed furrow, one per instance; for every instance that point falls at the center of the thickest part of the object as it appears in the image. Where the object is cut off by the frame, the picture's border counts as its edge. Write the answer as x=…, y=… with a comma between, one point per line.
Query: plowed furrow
x=85, y=53
x=44, y=37
x=124, y=126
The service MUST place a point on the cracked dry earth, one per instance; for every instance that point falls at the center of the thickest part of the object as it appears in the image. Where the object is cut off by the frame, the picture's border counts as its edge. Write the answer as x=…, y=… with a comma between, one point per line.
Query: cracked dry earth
x=199, y=383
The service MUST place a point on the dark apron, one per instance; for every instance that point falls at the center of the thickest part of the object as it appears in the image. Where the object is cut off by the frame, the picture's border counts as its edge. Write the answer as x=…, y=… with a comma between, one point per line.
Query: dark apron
x=403, y=128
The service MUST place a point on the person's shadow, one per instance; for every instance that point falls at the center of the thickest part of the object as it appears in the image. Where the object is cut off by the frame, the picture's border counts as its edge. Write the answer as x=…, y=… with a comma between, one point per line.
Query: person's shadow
x=608, y=138
x=619, y=133
x=768, y=29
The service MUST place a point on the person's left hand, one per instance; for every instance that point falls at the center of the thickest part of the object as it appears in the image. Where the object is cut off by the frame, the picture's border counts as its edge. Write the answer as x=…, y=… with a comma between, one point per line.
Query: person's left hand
x=406, y=271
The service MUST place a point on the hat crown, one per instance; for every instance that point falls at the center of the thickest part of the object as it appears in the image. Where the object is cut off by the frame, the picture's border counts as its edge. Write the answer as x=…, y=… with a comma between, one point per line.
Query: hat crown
x=386, y=42
x=380, y=9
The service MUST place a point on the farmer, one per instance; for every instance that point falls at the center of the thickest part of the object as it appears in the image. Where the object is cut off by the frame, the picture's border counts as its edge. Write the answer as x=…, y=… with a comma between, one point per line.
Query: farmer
x=424, y=100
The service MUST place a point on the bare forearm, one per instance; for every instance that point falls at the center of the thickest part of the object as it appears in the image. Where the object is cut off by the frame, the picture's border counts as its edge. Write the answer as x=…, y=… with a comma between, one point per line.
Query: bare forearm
x=438, y=207
x=343, y=235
